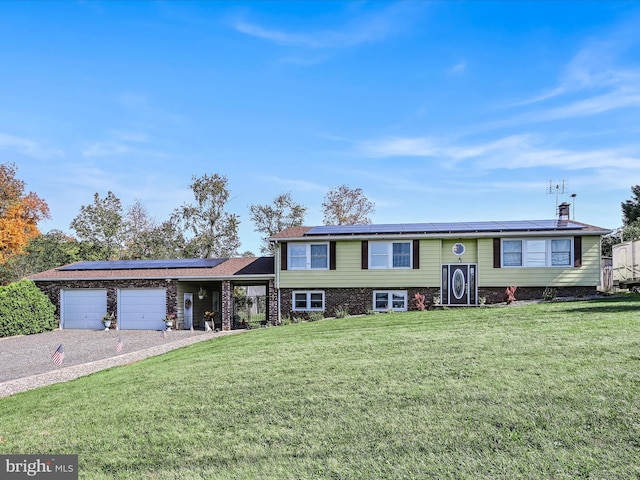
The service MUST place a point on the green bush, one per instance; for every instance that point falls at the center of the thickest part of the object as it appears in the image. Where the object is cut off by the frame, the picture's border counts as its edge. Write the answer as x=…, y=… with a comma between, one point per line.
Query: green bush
x=24, y=309
x=315, y=316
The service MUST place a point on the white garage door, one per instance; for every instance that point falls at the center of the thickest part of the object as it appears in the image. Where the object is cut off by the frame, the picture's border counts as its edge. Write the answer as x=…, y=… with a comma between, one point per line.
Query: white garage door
x=83, y=308
x=142, y=308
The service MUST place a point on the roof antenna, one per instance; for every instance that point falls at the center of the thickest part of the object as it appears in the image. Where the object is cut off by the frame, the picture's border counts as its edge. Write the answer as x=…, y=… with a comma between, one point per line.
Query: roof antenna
x=559, y=190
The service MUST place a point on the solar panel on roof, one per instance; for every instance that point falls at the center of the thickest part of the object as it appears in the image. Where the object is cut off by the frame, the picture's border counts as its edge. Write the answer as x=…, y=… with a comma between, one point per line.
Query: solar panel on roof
x=145, y=264
x=446, y=227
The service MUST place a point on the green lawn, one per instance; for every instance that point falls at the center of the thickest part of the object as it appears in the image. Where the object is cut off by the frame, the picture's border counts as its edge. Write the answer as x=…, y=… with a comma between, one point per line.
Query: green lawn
x=540, y=391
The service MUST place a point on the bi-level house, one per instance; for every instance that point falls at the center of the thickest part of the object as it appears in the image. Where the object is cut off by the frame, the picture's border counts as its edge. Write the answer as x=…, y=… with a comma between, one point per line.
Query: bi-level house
x=366, y=268
x=360, y=268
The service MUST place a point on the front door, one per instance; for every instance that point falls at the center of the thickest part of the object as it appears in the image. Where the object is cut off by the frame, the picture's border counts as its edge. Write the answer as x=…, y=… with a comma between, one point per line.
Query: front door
x=188, y=310
x=459, y=285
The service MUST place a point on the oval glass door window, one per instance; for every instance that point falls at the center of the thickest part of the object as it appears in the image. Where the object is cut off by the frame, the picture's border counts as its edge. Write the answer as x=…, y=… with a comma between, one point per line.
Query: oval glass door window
x=457, y=282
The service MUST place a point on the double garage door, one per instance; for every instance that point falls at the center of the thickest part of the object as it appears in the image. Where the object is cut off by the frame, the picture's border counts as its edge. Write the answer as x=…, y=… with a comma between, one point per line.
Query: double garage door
x=138, y=308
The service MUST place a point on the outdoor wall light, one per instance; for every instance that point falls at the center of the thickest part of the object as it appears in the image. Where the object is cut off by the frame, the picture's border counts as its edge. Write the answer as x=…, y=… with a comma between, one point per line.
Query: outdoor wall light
x=202, y=293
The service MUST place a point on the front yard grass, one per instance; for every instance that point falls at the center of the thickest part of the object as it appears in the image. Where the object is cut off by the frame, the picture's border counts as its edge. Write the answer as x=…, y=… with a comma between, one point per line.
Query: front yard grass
x=550, y=390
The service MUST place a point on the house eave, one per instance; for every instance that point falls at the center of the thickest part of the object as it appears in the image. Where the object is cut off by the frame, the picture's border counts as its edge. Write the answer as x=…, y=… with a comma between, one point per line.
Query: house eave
x=447, y=235
x=159, y=277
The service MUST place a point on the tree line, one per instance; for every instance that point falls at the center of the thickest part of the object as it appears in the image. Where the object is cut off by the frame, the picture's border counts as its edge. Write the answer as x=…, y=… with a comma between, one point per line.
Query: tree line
x=204, y=228
x=106, y=230
x=630, y=228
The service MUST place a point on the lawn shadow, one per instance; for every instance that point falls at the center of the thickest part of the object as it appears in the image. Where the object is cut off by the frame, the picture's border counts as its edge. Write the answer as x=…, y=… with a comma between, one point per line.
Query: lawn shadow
x=623, y=304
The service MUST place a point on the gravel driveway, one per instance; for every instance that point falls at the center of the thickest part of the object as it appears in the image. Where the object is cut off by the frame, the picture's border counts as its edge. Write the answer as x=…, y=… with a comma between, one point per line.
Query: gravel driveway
x=25, y=361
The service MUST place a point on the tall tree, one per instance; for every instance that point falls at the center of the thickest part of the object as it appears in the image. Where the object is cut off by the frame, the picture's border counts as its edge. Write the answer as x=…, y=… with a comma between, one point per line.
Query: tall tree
x=102, y=224
x=214, y=231
x=271, y=219
x=46, y=251
x=347, y=206
x=631, y=208
x=163, y=241
x=138, y=225
x=19, y=214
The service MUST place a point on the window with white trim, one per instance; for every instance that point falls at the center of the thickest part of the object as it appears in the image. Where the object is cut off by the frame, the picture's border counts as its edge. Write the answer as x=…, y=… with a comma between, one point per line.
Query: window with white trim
x=308, y=256
x=384, y=300
x=537, y=252
x=308, y=301
x=390, y=254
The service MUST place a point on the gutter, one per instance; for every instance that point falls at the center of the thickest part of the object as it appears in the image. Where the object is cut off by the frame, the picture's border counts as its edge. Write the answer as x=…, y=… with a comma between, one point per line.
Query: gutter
x=161, y=277
x=493, y=234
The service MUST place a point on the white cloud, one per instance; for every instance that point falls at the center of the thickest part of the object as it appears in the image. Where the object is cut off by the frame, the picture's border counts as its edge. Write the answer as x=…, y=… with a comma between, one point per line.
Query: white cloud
x=120, y=143
x=619, y=98
x=359, y=30
x=438, y=149
x=594, y=81
x=399, y=147
x=102, y=149
x=458, y=69
x=511, y=152
x=28, y=147
x=299, y=185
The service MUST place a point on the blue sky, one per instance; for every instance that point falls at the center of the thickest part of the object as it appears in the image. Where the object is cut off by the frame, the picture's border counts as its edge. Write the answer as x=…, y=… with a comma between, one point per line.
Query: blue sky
x=438, y=110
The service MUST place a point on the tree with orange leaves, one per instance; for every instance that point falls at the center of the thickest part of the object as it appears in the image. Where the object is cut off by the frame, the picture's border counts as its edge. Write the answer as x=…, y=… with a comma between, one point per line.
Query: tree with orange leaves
x=19, y=214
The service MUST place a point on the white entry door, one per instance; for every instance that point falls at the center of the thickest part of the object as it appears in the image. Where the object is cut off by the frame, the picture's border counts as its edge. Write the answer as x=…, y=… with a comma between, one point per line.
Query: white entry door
x=188, y=310
x=142, y=308
x=83, y=308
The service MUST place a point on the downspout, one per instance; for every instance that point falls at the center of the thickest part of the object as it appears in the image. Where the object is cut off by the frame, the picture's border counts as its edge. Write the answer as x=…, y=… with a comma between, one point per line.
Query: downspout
x=277, y=262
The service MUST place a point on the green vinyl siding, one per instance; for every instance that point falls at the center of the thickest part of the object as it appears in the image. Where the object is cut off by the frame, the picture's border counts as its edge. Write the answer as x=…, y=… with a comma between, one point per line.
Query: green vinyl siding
x=348, y=272
x=586, y=275
x=435, y=252
x=470, y=251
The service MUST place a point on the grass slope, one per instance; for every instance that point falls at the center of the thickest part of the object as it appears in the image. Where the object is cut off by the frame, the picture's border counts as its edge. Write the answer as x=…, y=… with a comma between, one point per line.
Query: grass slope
x=540, y=391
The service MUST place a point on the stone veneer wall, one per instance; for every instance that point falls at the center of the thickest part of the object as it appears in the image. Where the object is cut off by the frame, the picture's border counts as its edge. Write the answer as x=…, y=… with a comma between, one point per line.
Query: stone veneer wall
x=497, y=294
x=272, y=303
x=227, y=305
x=52, y=290
x=359, y=301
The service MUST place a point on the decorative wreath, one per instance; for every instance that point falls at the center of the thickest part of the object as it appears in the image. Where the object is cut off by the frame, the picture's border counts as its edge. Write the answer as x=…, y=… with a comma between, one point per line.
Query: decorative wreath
x=187, y=303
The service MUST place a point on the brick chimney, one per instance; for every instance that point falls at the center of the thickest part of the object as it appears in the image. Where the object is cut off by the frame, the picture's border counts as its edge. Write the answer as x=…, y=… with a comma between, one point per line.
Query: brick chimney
x=563, y=211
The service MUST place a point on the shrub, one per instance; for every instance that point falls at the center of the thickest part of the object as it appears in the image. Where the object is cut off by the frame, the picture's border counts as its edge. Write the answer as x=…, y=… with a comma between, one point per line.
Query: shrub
x=419, y=300
x=341, y=312
x=24, y=310
x=510, y=294
x=315, y=316
x=549, y=294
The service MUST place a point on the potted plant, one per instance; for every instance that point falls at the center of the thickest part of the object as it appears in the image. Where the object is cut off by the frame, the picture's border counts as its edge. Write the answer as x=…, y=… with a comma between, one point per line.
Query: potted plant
x=482, y=300
x=209, y=317
x=168, y=320
x=107, y=319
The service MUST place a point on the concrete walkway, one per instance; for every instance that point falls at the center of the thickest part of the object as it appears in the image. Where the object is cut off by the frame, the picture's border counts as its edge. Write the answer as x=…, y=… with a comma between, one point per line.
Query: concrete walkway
x=25, y=361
